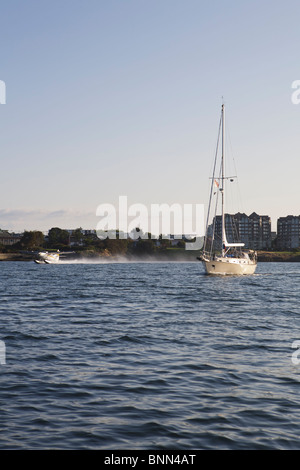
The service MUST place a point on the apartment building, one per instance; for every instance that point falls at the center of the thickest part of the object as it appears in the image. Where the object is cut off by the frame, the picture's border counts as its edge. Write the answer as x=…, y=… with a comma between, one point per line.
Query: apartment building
x=253, y=230
x=288, y=232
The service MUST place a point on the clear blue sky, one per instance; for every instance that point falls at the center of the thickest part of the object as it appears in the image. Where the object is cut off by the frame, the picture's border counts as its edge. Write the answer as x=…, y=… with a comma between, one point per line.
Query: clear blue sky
x=122, y=97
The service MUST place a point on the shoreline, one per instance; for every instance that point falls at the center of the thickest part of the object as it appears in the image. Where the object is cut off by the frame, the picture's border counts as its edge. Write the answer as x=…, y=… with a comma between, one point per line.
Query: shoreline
x=167, y=256
x=277, y=256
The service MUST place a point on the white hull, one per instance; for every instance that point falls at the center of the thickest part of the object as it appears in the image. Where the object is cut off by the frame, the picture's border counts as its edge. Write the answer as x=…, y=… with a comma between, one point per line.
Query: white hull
x=230, y=266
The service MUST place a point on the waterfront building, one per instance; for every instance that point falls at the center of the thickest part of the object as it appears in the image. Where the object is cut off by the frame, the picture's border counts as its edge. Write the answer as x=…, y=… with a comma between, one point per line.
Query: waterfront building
x=288, y=232
x=253, y=230
x=8, y=239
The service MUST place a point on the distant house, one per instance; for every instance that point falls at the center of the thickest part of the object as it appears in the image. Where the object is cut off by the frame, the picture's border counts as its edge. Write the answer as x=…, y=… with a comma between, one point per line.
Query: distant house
x=78, y=237
x=8, y=239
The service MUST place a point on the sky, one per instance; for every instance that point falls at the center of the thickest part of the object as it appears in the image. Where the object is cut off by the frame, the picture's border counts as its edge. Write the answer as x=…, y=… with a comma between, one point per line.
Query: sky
x=110, y=98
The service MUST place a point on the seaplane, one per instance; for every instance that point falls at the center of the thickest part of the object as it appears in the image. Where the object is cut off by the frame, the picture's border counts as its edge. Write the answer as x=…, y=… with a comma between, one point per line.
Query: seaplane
x=44, y=257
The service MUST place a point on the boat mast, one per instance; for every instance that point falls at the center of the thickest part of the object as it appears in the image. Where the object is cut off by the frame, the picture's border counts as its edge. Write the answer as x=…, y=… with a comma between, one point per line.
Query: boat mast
x=223, y=180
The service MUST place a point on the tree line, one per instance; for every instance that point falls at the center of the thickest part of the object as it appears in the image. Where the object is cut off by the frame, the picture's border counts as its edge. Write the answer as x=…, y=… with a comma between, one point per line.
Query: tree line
x=60, y=239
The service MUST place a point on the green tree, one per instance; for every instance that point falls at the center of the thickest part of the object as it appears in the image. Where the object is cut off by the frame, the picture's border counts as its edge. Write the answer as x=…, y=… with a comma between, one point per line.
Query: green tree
x=58, y=237
x=77, y=235
x=142, y=247
x=32, y=240
x=116, y=247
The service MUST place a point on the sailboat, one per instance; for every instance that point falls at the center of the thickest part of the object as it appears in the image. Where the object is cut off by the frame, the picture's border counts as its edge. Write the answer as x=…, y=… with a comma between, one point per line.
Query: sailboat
x=229, y=258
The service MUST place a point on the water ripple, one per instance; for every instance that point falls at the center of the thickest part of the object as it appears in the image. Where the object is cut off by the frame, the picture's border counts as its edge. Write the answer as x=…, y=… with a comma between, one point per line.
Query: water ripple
x=148, y=355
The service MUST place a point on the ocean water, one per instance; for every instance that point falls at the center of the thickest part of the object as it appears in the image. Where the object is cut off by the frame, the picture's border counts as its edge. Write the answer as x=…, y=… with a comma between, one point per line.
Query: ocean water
x=148, y=356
